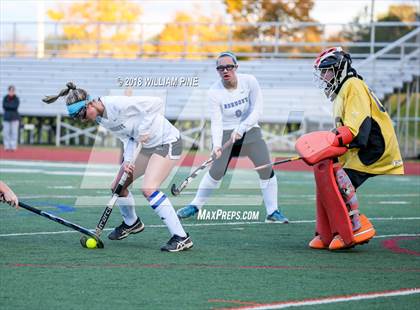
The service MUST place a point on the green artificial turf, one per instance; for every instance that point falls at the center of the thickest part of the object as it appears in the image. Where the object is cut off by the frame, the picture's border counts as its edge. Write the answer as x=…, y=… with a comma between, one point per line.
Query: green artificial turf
x=233, y=263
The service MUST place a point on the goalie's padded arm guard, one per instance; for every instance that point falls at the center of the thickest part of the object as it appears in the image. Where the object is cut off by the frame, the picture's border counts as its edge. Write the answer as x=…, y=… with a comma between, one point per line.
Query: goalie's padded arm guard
x=319, y=145
x=343, y=136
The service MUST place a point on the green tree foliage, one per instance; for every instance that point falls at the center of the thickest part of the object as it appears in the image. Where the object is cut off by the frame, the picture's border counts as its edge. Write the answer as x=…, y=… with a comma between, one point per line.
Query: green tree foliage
x=361, y=32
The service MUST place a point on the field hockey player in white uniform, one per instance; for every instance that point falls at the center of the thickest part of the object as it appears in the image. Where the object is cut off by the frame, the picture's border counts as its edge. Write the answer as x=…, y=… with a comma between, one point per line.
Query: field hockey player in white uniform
x=136, y=119
x=236, y=104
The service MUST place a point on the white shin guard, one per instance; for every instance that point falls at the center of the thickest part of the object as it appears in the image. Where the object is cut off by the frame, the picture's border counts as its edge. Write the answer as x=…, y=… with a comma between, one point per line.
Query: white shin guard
x=269, y=192
x=205, y=189
x=127, y=209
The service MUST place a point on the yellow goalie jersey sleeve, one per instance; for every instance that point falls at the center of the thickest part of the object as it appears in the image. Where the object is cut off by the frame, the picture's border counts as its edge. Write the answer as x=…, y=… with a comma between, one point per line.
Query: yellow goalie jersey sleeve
x=374, y=148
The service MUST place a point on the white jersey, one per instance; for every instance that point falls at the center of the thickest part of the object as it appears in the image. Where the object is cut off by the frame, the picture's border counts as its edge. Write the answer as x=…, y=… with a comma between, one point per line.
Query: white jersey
x=128, y=118
x=238, y=109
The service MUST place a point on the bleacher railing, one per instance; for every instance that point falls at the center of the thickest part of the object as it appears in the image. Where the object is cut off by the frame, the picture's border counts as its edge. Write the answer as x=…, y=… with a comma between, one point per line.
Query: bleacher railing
x=17, y=40
x=271, y=40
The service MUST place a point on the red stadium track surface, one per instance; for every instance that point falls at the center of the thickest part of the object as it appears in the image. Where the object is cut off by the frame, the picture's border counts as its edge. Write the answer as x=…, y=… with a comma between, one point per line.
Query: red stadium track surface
x=68, y=154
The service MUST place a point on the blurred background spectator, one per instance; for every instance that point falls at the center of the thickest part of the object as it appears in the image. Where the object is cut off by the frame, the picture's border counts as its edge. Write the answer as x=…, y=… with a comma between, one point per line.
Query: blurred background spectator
x=11, y=119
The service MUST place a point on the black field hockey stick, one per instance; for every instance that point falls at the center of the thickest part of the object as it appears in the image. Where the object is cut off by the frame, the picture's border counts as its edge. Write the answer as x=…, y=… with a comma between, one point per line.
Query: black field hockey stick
x=64, y=222
x=177, y=190
x=283, y=161
x=108, y=209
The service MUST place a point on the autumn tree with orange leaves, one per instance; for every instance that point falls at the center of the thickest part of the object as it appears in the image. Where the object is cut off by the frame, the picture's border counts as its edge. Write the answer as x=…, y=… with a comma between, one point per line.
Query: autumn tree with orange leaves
x=83, y=32
x=192, y=36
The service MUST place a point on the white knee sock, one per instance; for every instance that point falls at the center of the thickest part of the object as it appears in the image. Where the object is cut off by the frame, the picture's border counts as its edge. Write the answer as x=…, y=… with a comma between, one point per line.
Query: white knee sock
x=206, y=187
x=269, y=191
x=128, y=212
x=164, y=209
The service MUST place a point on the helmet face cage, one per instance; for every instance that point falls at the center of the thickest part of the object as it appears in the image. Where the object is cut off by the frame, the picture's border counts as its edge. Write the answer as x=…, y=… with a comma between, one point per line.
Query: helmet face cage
x=328, y=69
x=327, y=79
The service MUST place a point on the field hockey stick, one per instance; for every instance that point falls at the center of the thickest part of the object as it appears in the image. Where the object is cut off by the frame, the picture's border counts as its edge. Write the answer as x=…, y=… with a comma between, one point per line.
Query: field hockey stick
x=278, y=162
x=177, y=190
x=108, y=209
x=64, y=222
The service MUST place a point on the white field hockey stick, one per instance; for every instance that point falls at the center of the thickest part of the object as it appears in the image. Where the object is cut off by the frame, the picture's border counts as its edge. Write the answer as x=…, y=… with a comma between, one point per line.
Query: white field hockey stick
x=177, y=190
x=108, y=210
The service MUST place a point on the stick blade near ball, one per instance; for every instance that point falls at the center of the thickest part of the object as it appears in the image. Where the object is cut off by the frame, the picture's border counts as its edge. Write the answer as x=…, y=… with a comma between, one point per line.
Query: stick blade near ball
x=174, y=190
x=83, y=240
x=99, y=243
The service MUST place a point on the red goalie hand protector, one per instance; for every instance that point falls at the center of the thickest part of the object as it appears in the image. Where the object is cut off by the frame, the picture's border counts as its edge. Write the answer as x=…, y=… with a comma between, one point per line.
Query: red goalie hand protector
x=316, y=146
x=343, y=136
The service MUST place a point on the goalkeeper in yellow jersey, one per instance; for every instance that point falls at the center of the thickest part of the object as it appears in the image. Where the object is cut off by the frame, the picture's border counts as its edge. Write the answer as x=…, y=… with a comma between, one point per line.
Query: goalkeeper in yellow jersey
x=361, y=123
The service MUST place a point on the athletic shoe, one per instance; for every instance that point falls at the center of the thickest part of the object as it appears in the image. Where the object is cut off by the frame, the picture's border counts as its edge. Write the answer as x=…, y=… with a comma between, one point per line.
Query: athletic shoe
x=316, y=243
x=276, y=217
x=177, y=243
x=187, y=211
x=124, y=230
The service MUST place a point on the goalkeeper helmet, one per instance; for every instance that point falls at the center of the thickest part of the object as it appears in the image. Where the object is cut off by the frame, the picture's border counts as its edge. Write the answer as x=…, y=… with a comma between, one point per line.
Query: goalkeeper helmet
x=330, y=69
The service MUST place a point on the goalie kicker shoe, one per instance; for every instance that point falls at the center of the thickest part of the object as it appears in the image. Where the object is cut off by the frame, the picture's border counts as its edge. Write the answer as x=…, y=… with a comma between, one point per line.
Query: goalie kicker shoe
x=316, y=243
x=365, y=232
x=177, y=243
x=361, y=236
x=124, y=230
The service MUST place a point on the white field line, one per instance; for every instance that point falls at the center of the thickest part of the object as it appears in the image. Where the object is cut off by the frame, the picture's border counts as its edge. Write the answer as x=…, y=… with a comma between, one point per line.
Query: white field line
x=62, y=187
x=37, y=164
x=237, y=173
x=394, y=218
x=333, y=299
x=86, y=173
x=95, y=171
x=209, y=224
x=99, y=201
x=56, y=164
x=176, y=202
x=228, y=196
x=397, y=235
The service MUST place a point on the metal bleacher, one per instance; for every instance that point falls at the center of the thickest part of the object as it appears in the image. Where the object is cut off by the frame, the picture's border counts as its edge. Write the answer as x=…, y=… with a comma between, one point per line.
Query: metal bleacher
x=289, y=94
x=286, y=85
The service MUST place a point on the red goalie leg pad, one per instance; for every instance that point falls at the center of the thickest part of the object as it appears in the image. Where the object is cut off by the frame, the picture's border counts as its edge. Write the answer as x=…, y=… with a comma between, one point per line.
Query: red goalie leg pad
x=332, y=215
x=316, y=146
x=323, y=228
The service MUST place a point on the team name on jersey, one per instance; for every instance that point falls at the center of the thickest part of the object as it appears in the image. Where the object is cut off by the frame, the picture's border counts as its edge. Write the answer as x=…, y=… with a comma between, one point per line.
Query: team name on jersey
x=117, y=128
x=235, y=103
